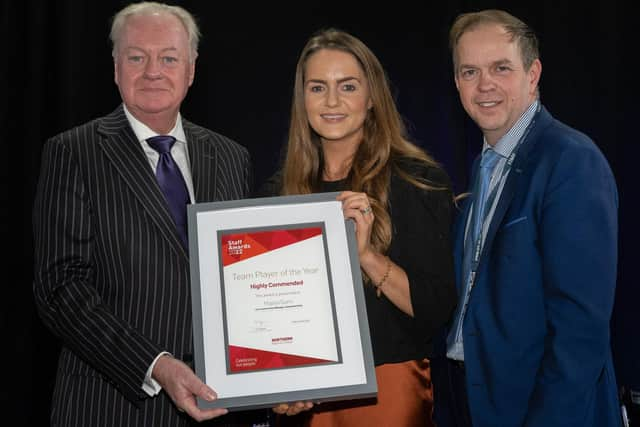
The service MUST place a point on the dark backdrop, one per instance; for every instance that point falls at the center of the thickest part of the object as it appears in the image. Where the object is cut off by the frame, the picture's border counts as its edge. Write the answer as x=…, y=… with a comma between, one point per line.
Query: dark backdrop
x=57, y=72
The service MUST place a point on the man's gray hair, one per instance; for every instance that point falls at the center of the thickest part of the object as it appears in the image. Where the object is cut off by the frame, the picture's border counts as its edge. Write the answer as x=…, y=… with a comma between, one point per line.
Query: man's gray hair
x=149, y=8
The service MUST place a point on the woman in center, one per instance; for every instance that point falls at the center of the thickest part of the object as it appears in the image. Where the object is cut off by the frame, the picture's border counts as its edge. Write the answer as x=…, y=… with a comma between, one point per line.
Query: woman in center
x=347, y=135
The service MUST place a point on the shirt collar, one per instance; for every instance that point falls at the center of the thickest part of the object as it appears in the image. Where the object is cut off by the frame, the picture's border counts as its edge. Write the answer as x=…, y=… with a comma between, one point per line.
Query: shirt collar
x=143, y=132
x=505, y=145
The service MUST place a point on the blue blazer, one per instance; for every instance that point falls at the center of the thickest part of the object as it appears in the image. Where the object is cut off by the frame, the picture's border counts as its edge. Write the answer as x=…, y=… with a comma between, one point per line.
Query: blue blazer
x=536, y=333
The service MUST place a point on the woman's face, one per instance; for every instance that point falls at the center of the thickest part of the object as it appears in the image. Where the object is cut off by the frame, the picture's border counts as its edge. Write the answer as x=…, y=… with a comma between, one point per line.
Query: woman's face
x=336, y=96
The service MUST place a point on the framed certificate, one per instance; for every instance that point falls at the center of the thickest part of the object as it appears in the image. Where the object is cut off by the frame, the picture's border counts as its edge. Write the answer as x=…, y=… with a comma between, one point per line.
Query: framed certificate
x=278, y=305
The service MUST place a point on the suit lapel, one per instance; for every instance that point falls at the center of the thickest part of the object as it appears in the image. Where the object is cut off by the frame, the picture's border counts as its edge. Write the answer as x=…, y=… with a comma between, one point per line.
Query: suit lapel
x=504, y=202
x=542, y=119
x=121, y=146
x=460, y=226
x=202, y=156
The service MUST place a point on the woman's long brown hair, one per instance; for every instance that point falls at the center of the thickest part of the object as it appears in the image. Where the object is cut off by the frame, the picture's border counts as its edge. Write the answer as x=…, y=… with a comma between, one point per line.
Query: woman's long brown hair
x=384, y=141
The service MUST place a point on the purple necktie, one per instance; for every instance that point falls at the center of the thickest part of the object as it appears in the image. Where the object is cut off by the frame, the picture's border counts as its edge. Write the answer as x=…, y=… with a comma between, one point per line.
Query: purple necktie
x=171, y=182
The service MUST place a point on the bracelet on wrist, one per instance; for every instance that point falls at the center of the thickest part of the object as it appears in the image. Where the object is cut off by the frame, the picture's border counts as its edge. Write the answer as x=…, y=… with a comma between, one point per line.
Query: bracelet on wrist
x=380, y=284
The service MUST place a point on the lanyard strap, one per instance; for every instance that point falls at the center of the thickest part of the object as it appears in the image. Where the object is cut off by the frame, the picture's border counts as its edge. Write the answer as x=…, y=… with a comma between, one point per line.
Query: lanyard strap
x=477, y=245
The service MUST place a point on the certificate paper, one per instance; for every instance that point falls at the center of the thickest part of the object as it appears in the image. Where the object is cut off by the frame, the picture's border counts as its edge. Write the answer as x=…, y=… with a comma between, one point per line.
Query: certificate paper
x=278, y=302
x=277, y=317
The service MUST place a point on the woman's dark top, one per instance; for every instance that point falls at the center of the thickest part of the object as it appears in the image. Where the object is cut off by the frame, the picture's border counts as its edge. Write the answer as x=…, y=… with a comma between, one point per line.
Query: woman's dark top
x=421, y=245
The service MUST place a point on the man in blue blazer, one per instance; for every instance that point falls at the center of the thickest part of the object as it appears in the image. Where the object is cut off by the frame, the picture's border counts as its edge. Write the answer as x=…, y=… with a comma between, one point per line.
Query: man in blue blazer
x=529, y=342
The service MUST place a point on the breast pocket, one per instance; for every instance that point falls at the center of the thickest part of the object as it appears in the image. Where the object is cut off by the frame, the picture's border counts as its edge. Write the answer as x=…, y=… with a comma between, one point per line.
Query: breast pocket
x=513, y=222
x=512, y=235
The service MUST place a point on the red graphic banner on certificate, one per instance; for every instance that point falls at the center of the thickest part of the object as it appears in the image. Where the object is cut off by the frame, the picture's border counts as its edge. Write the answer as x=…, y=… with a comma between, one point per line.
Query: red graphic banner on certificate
x=278, y=299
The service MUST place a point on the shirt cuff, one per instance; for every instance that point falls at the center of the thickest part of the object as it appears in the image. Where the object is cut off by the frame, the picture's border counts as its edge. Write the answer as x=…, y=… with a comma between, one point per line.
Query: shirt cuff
x=149, y=385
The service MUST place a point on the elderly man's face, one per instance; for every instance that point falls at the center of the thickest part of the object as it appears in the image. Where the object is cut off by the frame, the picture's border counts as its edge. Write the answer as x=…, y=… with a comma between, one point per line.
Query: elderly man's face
x=153, y=67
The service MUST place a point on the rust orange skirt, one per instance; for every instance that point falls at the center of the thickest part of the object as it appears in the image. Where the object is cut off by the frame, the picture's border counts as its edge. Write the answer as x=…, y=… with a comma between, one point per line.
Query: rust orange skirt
x=405, y=399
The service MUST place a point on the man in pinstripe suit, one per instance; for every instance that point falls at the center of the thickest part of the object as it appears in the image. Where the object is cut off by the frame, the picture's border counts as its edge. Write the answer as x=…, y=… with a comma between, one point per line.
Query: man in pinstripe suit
x=112, y=274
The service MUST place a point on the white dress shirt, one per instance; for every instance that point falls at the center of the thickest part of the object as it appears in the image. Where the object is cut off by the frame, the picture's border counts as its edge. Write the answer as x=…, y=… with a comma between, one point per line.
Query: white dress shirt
x=180, y=154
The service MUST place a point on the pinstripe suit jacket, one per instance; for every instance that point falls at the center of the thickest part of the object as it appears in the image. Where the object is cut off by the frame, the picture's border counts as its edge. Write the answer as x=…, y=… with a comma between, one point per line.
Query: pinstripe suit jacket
x=111, y=276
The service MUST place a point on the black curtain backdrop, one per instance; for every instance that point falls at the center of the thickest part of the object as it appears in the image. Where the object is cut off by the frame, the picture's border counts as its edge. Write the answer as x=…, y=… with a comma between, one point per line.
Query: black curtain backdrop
x=58, y=73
